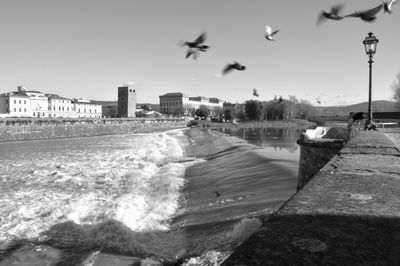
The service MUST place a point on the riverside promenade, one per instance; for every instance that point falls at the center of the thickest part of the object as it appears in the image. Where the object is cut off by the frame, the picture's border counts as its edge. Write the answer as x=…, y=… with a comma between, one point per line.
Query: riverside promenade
x=347, y=214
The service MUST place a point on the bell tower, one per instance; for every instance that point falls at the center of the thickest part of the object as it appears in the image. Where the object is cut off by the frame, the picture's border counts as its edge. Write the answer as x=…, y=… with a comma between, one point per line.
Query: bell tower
x=126, y=101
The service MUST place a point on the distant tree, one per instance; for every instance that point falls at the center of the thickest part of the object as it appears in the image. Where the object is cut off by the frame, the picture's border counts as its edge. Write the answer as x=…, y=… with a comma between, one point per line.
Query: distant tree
x=227, y=115
x=252, y=109
x=192, y=112
x=240, y=115
x=178, y=112
x=203, y=111
x=218, y=112
x=306, y=109
x=290, y=108
x=396, y=90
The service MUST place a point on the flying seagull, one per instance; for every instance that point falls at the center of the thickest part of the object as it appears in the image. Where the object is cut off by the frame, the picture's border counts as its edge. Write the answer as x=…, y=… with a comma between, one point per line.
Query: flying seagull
x=255, y=94
x=230, y=67
x=269, y=34
x=387, y=6
x=332, y=14
x=196, y=46
x=368, y=15
x=217, y=194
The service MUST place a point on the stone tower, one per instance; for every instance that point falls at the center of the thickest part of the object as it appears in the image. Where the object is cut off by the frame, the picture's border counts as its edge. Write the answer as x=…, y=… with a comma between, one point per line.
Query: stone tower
x=126, y=101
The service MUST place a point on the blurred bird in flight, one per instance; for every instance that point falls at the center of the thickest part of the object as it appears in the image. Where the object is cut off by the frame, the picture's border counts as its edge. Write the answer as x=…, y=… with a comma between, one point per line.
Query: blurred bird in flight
x=196, y=46
x=269, y=34
x=332, y=14
x=230, y=67
x=368, y=15
x=255, y=94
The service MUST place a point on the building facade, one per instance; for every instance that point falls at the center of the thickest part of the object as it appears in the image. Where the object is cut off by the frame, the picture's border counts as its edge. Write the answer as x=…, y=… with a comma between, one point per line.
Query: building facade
x=126, y=101
x=176, y=102
x=85, y=108
x=39, y=102
x=26, y=103
x=14, y=104
x=60, y=106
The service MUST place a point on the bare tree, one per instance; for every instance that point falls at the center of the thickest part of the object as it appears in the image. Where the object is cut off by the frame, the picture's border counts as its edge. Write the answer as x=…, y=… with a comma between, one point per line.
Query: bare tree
x=396, y=90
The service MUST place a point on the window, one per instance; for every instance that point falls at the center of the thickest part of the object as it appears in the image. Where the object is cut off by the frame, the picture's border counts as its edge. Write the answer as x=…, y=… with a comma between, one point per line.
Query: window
x=63, y=108
x=20, y=110
x=6, y=101
x=24, y=101
x=43, y=114
x=25, y=110
x=67, y=108
x=33, y=113
x=15, y=109
x=6, y=110
x=19, y=101
x=15, y=101
x=54, y=108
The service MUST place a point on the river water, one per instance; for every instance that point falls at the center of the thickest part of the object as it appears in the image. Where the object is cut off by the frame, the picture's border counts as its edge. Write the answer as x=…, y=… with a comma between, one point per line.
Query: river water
x=186, y=195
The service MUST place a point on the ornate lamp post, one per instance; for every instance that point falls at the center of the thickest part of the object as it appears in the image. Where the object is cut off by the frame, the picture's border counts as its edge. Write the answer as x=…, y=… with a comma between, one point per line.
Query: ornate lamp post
x=370, y=42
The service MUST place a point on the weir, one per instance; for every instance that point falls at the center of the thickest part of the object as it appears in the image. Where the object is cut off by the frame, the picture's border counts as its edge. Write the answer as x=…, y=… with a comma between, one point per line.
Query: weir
x=12, y=129
x=347, y=213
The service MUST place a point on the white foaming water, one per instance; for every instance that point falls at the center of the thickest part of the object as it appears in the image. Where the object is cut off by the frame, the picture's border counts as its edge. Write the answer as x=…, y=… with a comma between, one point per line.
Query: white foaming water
x=135, y=179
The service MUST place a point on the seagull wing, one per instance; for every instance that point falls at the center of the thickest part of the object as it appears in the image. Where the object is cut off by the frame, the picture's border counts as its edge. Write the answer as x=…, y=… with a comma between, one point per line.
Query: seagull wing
x=392, y=2
x=201, y=38
x=228, y=68
x=321, y=18
x=274, y=32
x=336, y=9
x=189, y=53
x=373, y=11
x=268, y=30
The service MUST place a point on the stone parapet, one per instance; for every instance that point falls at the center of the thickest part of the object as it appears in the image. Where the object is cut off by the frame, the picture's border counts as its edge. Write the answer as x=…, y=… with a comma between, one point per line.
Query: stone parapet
x=314, y=154
x=347, y=214
x=317, y=147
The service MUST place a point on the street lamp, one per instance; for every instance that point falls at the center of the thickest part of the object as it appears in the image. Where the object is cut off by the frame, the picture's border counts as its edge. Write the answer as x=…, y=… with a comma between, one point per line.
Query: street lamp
x=370, y=42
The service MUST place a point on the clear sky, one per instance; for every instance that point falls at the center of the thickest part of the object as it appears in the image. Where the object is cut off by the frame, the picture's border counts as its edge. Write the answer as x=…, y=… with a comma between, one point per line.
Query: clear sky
x=87, y=48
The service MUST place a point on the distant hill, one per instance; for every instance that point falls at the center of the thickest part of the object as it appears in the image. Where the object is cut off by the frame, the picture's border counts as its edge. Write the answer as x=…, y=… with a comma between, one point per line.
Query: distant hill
x=377, y=106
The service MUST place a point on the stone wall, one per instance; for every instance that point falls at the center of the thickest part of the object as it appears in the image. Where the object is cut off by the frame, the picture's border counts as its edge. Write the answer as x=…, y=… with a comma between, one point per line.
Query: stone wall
x=314, y=154
x=317, y=147
x=30, y=129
